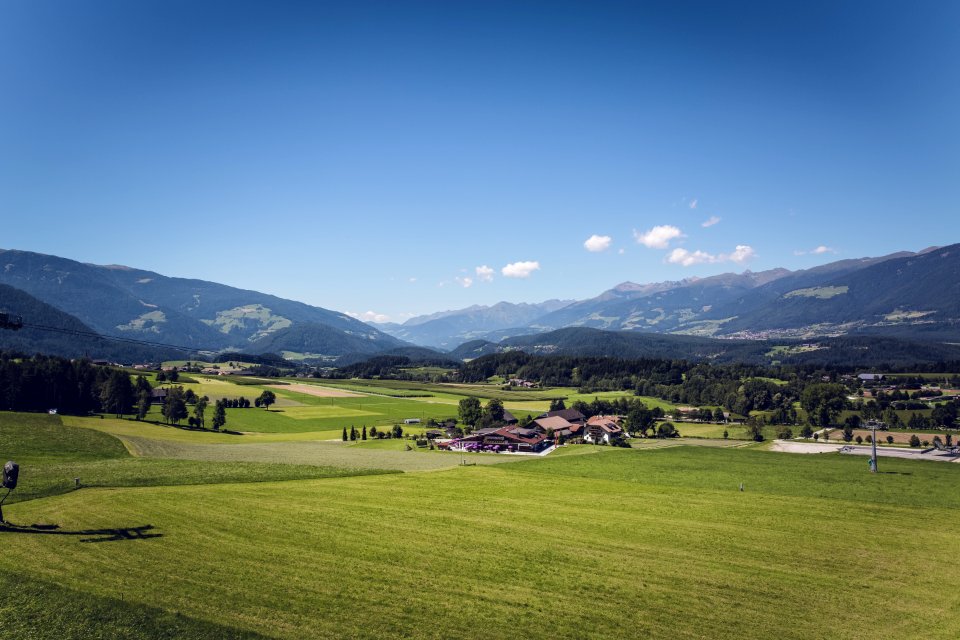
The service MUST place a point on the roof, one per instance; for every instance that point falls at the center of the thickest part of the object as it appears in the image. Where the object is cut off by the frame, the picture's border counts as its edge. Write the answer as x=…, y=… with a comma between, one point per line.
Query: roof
x=604, y=419
x=553, y=422
x=608, y=423
x=509, y=417
x=570, y=415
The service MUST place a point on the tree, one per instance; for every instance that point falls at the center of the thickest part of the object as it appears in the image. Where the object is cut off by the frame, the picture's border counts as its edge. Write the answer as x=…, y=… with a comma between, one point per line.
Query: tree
x=726, y=434
x=142, y=384
x=397, y=431
x=859, y=439
x=175, y=407
x=143, y=404
x=267, y=398
x=557, y=404
x=363, y=435
x=755, y=429
x=161, y=376
x=847, y=433
x=785, y=433
x=345, y=438
x=823, y=402
x=889, y=439
x=639, y=419
x=173, y=375
x=199, y=409
x=806, y=431
x=220, y=415
x=718, y=415
x=914, y=441
x=353, y=433
x=117, y=394
x=494, y=411
x=189, y=396
x=667, y=430
x=469, y=411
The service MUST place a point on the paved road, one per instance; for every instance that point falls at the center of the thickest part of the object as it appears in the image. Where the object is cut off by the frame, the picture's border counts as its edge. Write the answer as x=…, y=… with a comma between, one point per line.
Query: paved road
x=790, y=446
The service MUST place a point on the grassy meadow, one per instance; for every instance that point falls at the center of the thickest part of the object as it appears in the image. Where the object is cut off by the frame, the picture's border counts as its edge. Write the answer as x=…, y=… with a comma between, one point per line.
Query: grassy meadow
x=662, y=539
x=281, y=530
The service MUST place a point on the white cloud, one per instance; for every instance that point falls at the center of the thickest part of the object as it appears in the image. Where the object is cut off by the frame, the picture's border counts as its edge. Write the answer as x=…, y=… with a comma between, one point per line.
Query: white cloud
x=484, y=273
x=693, y=203
x=822, y=249
x=620, y=251
x=709, y=222
x=659, y=237
x=688, y=258
x=411, y=280
x=464, y=282
x=597, y=243
x=520, y=269
x=742, y=253
x=369, y=316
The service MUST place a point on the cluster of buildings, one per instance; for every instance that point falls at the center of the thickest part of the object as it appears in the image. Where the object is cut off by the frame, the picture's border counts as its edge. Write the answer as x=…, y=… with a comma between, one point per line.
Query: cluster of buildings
x=553, y=427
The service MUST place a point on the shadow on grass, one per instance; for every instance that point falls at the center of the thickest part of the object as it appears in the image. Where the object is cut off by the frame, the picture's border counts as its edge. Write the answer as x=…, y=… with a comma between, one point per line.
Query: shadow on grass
x=186, y=427
x=93, y=535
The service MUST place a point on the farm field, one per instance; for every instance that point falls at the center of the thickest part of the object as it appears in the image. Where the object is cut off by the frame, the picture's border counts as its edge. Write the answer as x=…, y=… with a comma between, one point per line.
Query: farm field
x=667, y=530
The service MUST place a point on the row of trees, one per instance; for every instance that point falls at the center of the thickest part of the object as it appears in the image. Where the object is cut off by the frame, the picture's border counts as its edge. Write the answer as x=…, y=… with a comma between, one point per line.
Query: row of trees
x=375, y=434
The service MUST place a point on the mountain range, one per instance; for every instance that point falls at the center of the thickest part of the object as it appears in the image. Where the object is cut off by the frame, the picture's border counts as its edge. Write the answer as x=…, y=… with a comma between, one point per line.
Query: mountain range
x=915, y=295
x=131, y=303
x=910, y=296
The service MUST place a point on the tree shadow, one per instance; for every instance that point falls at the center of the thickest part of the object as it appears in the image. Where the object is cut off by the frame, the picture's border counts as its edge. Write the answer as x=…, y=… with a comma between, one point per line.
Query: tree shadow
x=94, y=535
x=895, y=473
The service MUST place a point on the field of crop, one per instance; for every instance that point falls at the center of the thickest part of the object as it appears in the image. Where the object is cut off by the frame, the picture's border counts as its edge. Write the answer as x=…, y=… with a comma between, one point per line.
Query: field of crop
x=591, y=543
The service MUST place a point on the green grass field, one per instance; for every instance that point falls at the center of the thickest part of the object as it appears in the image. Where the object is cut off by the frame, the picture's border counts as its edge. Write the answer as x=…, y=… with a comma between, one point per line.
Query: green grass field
x=203, y=535
x=663, y=538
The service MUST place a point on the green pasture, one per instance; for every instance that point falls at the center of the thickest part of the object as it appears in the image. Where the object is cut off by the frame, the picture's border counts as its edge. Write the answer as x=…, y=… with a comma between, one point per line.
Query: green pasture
x=659, y=543
x=52, y=455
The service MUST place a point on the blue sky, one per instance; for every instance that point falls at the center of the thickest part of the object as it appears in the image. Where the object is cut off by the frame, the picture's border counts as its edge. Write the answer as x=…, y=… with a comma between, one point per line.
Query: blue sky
x=405, y=157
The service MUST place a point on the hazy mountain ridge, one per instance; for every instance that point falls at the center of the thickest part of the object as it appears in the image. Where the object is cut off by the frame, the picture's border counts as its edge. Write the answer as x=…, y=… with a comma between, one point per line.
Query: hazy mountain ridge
x=842, y=351
x=775, y=303
x=124, y=301
x=447, y=329
x=70, y=341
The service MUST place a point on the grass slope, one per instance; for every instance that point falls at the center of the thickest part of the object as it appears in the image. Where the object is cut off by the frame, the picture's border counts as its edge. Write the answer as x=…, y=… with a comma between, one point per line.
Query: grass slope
x=51, y=455
x=654, y=543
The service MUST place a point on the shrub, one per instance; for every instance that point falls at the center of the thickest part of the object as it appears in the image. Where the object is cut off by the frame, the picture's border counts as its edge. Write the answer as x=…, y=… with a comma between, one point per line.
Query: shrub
x=859, y=440
x=914, y=441
x=785, y=433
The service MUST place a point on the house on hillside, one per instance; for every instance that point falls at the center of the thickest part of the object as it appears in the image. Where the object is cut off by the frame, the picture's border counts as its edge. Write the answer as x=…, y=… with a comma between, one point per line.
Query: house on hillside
x=509, y=418
x=503, y=439
x=870, y=377
x=605, y=429
x=570, y=415
x=158, y=396
x=559, y=427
